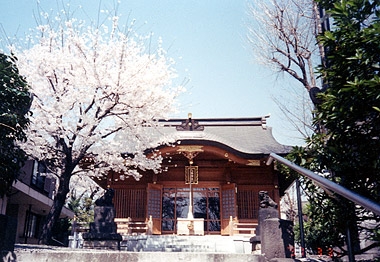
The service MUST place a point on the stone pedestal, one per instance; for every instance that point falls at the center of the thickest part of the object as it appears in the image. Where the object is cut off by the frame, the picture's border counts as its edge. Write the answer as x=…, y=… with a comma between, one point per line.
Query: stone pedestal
x=277, y=238
x=102, y=244
x=190, y=226
x=264, y=213
x=274, y=236
x=103, y=231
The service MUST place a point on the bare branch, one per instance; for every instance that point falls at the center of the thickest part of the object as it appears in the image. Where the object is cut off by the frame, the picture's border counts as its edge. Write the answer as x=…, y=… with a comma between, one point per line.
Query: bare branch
x=283, y=34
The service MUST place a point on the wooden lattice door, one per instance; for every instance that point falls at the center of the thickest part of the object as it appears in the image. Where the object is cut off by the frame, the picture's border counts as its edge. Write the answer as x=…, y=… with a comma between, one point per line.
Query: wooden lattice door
x=228, y=204
x=154, y=206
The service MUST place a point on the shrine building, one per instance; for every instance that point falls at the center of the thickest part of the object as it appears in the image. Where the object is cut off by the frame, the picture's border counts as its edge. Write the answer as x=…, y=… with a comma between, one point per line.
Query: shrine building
x=212, y=173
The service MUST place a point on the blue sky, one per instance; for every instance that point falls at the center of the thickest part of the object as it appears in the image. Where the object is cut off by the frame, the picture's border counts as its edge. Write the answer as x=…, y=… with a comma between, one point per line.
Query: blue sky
x=207, y=39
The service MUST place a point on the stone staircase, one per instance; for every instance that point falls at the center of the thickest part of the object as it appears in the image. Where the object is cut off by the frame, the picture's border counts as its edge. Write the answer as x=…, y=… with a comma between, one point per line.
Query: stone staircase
x=175, y=243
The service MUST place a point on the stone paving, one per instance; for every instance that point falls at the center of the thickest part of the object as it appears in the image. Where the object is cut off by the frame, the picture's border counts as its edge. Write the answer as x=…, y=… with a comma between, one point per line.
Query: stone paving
x=28, y=253
x=39, y=253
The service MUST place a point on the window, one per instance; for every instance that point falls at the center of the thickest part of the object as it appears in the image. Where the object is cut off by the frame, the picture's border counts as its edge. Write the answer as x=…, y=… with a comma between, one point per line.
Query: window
x=33, y=225
x=39, y=176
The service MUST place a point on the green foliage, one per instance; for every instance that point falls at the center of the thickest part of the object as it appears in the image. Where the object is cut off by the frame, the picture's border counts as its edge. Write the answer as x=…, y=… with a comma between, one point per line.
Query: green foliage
x=322, y=228
x=15, y=102
x=318, y=233
x=82, y=206
x=351, y=145
x=347, y=150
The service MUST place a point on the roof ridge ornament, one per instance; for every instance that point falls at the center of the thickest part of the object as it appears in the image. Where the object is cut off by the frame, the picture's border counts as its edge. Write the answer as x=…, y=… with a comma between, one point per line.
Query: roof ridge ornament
x=264, y=121
x=190, y=125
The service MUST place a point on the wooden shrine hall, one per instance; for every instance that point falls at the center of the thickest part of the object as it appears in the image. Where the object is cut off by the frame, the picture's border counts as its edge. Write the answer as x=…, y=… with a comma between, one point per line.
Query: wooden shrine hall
x=211, y=174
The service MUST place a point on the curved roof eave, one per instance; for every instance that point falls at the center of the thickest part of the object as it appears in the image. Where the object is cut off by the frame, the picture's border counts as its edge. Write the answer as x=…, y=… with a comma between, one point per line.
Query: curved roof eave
x=242, y=145
x=246, y=137
x=219, y=145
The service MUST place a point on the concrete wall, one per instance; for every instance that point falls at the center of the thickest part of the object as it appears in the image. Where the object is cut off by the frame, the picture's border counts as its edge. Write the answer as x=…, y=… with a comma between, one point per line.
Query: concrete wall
x=21, y=224
x=28, y=255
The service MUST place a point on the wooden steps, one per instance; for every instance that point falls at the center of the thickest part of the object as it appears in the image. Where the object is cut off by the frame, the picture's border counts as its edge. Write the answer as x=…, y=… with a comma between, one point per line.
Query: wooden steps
x=244, y=228
x=127, y=226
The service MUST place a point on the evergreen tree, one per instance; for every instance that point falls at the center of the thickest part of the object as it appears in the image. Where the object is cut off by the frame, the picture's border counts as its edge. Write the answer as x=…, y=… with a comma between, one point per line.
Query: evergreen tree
x=14, y=105
x=347, y=148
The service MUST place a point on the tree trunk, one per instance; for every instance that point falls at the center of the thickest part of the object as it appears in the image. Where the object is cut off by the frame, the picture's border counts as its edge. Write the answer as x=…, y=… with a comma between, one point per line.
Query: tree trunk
x=55, y=211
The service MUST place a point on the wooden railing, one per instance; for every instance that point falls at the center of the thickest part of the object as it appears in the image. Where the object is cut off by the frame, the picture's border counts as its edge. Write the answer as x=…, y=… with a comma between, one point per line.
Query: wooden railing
x=127, y=226
x=240, y=228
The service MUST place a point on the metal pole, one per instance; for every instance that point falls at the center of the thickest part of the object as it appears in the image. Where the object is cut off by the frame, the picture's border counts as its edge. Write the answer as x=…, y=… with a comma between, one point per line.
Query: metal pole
x=300, y=218
x=351, y=257
x=326, y=184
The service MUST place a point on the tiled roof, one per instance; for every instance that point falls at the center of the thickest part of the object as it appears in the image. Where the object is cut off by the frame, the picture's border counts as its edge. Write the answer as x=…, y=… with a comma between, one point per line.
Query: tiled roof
x=245, y=135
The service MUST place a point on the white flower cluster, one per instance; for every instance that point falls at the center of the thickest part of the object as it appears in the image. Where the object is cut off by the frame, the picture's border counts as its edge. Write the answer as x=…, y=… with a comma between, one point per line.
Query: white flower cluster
x=90, y=84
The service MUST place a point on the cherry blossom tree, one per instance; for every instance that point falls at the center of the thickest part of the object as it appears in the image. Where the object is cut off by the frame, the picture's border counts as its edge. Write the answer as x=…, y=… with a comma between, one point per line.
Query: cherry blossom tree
x=91, y=83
